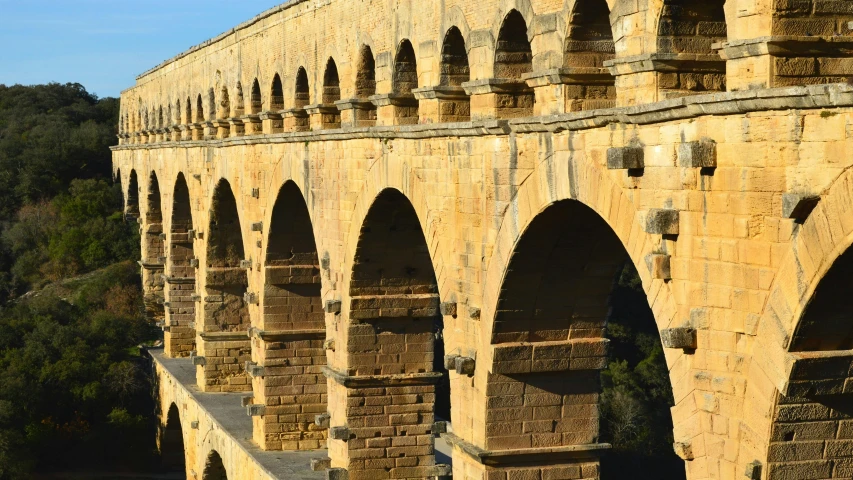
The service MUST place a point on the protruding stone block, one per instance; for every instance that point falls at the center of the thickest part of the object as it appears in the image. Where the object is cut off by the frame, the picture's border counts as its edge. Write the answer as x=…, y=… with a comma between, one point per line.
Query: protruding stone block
x=258, y=227
x=339, y=433
x=798, y=206
x=658, y=264
x=191, y=233
x=474, y=312
x=753, y=470
x=465, y=365
x=442, y=470
x=255, y=371
x=251, y=298
x=439, y=427
x=320, y=464
x=195, y=297
x=194, y=425
x=684, y=450
x=448, y=308
x=247, y=264
x=681, y=337
x=701, y=154
x=194, y=262
x=450, y=361
x=322, y=420
x=333, y=306
x=198, y=361
x=661, y=221
x=337, y=474
x=247, y=400
x=255, y=410
x=256, y=193
x=329, y=344
x=625, y=158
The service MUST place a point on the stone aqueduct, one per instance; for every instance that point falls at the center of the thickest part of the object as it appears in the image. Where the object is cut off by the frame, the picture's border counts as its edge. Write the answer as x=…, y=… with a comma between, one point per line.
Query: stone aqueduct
x=322, y=187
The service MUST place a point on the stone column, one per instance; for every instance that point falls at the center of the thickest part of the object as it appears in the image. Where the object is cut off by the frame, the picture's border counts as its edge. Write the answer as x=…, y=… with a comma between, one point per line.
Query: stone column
x=175, y=133
x=395, y=109
x=296, y=120
x=357, y=112
x=222, y=128
x=563, y=90
x=271, y=122
x=252, y=124
x=181, y=297
x=441, y=104
x=197, y=131
x=323, y=116
x=238, y=128
x=499, y=98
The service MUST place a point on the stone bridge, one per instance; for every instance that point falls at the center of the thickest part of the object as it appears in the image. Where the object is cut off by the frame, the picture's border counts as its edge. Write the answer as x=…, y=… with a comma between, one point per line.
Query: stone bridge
x=370, y=217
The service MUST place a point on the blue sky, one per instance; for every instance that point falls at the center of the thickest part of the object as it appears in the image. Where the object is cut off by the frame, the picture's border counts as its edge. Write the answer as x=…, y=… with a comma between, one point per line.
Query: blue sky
x=105, y=44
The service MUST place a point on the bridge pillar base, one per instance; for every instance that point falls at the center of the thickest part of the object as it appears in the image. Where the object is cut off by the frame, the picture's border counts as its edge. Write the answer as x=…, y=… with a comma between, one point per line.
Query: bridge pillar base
x=499, y=98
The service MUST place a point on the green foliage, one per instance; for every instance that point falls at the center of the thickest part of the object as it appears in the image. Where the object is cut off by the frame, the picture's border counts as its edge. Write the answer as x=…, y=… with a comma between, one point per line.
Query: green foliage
x=74, y=391
x=637, y=394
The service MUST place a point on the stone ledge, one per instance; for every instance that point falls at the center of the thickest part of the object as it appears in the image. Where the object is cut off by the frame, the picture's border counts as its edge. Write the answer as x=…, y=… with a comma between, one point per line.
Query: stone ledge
x=224, y=336
x=666, y=62
x=532, y=456
x=287, y=335
x=722, y=103
x=783, y=46
x=350, y=381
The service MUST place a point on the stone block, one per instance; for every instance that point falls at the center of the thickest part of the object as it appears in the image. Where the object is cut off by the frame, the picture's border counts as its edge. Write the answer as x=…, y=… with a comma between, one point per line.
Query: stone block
x=684, y=450
x=659, y=266
x=258, y=227
x=701, y=154
x=439, y=428
x=321, y=464
x=339, y=433
x=255, y=410
x=322, y=420
x=464, y=366
x=753, y=470
x=681, y=337
x=661, y=221
x=625, y=158
x=247, y=400
x=448, y=308
x=450, y=361
x=337, y=474
x=798, y=206
x=329, y=344
x=332, y=306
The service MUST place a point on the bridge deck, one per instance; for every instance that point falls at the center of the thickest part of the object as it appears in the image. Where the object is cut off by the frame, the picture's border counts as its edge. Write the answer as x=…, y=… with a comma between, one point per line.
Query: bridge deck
x=226, y=411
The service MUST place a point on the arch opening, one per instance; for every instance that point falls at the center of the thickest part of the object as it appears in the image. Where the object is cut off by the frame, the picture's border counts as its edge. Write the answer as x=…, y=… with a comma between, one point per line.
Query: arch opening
x=573, y=329
x=294, y=324
x=296, y=119
x=257, y=103
x=172, y=453
x=154, y=246
x=179, y=338
x=131, y=207
x=221, y=126
x=364, y=111
x=404, y=80
x=212, y=109
x=513, y=60
x=811, y=423
x=589, y=43
x=224, y=342
x=240, y=105
x=454, y=70
x=686, y=32
x=302, y=94
x=328, y=112
x=395, y=322
x=214, y=469
x=276, y=94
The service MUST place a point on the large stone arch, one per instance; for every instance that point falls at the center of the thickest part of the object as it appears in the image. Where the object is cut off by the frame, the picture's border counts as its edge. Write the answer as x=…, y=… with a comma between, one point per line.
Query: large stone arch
x=181, y=268
x=223, y=340
x=789, y=377
x=154, y=251
x=289, y=342
x=171, y=441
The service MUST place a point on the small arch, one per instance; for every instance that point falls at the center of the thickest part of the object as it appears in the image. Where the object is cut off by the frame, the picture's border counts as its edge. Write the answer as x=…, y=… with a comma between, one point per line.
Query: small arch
x=589, y=43
x=331, y=83
x=188, y=116
x=199, y=110
x=211, y=104
x=454, y=69
x=131, y=207
x=240, y=105
x=301, y=95
x=365, y=79
x=179, y=340
x=276, y=94
x=256, y=100
x=160, y=123
x=404, y=80
x=514, y=59
x=214, y=469
x=178, y=116
x=155, y=248
x=172, y=453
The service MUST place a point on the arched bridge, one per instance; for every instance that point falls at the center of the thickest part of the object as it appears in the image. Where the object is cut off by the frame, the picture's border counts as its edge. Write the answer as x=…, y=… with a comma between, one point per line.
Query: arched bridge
x=361, y=218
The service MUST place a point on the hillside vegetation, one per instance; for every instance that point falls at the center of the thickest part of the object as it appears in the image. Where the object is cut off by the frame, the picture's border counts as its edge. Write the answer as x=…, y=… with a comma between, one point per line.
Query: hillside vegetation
x=74, y=392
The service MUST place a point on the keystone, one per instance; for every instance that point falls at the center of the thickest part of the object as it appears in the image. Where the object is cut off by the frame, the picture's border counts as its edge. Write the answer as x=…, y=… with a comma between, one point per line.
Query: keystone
x=255, y=410
x=320, y=464
x=333, y=306
x=450, y=361
x=682, y=337
x=322, y=420
x=753, y=470
x=337, y=474
x=661, y=221
x=339, y=433
x=625, y=158
x=258, y=227
x=658, y=264
x=798, y=205
x=465, y=366
x=698, y=154
x=448, y=308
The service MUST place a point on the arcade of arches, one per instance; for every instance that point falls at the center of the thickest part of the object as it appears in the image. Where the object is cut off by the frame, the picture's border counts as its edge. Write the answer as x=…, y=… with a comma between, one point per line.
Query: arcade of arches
x=392, y=237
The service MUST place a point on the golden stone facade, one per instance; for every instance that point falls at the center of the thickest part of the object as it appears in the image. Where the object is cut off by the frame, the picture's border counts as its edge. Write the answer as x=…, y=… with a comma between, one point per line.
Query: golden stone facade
x=322, y=186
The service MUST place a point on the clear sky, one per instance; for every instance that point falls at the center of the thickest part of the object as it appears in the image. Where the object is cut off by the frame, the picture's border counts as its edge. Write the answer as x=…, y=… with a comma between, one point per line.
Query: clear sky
x=105, y=44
